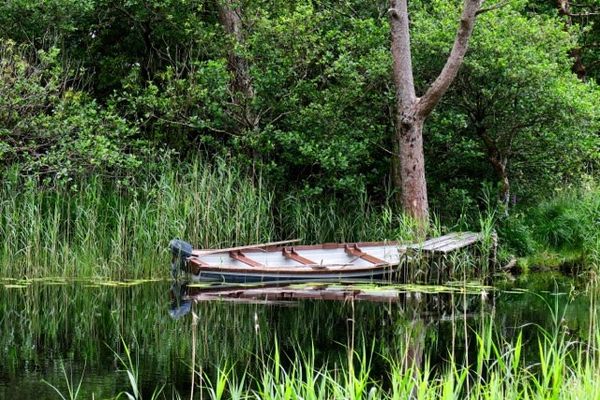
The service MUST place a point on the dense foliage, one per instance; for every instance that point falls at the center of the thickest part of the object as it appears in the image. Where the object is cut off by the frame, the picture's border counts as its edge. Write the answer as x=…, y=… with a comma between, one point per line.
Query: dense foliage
x=106, y=87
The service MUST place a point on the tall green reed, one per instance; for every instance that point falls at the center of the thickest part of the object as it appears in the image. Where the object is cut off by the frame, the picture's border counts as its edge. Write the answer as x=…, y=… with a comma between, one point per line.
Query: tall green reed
x=96, y=228
x=105, y=229
x=559, y=367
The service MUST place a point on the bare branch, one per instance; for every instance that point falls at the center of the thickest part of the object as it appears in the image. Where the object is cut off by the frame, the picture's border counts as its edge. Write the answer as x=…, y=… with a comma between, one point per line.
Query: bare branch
x=586, y=14
x=437, y=89
x=492, y=8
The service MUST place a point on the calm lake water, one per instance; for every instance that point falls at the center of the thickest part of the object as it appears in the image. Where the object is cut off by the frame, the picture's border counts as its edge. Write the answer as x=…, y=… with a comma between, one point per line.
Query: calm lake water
x=79, y=327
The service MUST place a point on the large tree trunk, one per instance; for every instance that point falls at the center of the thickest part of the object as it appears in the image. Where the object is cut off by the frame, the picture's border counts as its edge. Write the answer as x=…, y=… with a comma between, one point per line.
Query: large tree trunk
x=396, y=168
x=411, y=111
x=412, y=169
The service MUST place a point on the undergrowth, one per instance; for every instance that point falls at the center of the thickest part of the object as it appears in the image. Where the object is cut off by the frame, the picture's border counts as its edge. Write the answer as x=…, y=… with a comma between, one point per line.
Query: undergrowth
x=561, y=230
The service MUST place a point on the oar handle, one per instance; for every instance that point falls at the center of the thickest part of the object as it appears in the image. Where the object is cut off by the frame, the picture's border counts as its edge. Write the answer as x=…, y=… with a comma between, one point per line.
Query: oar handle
x=250, y=246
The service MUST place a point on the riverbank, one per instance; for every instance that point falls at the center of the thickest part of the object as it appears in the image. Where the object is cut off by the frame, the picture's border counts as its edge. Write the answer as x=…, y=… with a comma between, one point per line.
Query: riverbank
x=560, y=233
x=99, y=228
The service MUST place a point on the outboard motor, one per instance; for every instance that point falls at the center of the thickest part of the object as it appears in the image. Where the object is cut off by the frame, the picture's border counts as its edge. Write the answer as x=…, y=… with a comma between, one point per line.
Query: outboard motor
x=181, y=250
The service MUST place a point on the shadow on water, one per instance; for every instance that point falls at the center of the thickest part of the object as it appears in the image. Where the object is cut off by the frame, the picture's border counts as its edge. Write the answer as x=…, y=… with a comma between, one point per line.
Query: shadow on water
x=46, y=325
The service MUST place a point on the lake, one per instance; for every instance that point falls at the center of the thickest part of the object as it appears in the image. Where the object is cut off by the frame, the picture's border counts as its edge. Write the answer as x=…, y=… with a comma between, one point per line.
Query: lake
x=52, y=328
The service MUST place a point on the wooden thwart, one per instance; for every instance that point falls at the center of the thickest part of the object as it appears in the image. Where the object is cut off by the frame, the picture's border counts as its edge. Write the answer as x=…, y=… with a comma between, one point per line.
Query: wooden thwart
x=355, y=251
x=241, y=257
x=293, y=255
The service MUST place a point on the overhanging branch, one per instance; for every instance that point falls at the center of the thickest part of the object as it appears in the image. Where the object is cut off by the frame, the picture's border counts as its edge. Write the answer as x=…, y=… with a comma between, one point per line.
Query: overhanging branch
x=492, y=8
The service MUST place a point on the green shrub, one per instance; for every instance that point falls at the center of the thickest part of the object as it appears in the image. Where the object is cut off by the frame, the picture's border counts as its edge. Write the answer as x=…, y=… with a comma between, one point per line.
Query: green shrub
x=52, y=131
x=568, y=223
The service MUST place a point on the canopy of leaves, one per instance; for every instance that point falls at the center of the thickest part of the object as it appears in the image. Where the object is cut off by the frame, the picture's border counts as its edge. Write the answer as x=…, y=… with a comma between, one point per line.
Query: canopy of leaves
x=52, y=131
x=98, y=86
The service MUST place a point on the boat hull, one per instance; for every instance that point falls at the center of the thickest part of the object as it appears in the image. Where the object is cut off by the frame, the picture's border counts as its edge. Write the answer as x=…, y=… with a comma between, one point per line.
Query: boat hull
x=216, y=276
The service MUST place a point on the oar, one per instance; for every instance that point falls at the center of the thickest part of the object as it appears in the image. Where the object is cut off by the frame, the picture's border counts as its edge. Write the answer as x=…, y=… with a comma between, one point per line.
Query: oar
x=250, y=246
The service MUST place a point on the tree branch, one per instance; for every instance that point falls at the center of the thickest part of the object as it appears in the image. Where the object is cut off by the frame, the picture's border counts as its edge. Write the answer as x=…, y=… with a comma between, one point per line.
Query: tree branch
x=492, y=8
x=586, y=14
x=437, y=89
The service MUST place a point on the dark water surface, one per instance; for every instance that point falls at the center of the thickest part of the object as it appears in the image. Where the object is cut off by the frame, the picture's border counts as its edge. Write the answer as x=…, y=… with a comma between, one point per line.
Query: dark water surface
x=49, y=328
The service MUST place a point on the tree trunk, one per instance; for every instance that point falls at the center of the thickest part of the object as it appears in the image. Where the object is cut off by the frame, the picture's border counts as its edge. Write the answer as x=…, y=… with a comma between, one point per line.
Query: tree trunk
x=411, y=111
x=500, y=169
x=396, y=168
x=412, y=170
x=242, y=90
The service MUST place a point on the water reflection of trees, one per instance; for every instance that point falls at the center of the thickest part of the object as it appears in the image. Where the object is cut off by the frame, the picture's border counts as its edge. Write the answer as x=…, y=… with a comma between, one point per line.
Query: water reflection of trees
x=43, y=324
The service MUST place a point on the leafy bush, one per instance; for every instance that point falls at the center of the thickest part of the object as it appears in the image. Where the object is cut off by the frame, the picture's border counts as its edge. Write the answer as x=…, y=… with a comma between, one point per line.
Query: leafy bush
x=53, y=131
x=516, y=235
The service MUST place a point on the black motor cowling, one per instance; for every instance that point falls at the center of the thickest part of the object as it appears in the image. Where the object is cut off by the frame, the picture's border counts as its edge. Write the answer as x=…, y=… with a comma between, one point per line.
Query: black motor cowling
x=181, y=250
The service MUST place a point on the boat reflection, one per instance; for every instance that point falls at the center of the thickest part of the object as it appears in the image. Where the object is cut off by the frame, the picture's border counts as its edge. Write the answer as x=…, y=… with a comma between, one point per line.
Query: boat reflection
x=424, y=301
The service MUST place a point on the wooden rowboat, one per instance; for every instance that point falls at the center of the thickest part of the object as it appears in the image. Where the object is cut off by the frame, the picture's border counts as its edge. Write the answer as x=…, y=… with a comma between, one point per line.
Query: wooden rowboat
x=283, y=261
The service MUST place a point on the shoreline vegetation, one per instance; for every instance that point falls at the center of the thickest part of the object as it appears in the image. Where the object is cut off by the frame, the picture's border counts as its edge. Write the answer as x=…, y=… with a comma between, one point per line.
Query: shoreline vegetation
x=95, y=228
x=564, y=369
x=484, y=362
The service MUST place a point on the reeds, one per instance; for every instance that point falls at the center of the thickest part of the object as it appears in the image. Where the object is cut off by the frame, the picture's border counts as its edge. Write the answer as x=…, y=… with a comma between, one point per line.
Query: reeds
x=557, y=368
x=99, y=228
x=500, y=372
x=261, y=351
x=96, y=228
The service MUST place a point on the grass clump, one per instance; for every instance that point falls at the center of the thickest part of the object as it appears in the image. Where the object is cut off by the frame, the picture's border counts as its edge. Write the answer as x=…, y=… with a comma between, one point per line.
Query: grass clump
x=99, y=228
x=559, y=232
x=563, y=369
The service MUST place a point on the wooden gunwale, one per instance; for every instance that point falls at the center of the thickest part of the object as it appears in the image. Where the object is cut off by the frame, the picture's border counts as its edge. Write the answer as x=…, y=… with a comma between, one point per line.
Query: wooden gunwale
x=323, y=246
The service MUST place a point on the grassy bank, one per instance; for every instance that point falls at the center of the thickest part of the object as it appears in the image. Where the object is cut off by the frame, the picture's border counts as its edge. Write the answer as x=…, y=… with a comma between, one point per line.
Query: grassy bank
x=562, y=232
x=97, y=228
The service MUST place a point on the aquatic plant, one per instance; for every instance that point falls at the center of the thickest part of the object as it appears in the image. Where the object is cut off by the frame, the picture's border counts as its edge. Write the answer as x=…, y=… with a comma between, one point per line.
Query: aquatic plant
x=97, y=228
x=561, y=369
x=130, y=364
x=451, y=341
x=73, y=388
